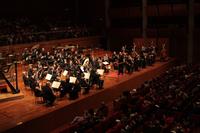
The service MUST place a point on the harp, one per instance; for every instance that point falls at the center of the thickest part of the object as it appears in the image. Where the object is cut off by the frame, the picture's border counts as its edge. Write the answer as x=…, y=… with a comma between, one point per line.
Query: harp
x=8, y=73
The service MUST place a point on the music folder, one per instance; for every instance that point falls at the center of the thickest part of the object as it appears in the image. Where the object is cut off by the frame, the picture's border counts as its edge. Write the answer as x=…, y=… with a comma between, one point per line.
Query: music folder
x=56, y=84
x=65, y=73
x=86, y=75
x=100, y=71
x=72, y=80
x=48, y=77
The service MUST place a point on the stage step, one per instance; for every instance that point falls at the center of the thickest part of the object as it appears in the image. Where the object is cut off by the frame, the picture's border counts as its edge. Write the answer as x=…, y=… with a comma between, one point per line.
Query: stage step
x=5, y=97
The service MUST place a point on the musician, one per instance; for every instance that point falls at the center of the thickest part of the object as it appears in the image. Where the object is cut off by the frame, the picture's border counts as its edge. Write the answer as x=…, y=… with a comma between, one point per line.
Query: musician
x=41, y=73
x=114, y=60
x=153, y=53
x=121, y=62
x=106, y=58
x=73, y=92
x=93, y=77
x=136, y=63
x=100, y=62
x=129, y=64
x=48, y=95
x=85, y=85
x=123, y=49
x=114, y=57
x=25, y=54
x=163, y=53
x=25, y=79
x=65, y=88
x=34, y=55
x=96, y=64
x=135, y=58
x=33, y=83
x=143, y=49
x=100, y=82
x=143, y=60
x=30, y=71
x=133, y=49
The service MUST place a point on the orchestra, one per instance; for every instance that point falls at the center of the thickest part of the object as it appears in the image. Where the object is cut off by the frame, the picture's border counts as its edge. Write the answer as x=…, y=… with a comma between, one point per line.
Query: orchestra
x=62, y=65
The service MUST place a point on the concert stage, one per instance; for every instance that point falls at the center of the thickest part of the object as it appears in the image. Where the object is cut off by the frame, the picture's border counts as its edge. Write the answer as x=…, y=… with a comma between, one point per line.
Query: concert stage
x=24, y=115
x=9, y=96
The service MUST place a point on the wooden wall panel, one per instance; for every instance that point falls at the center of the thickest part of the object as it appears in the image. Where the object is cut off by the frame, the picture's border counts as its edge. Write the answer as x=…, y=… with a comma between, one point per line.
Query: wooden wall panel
x=152, y=10
x=120, y=13
x=180, y=9
x=160, y=41
x=124, y=32
x=165, y=10
x=196, y=8
x=125, y=12
x=135, y=12
x=85, y=42
x=197, y=46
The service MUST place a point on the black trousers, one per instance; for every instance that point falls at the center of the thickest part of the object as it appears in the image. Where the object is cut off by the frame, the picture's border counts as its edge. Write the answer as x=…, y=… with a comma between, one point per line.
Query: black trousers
x=120, y=69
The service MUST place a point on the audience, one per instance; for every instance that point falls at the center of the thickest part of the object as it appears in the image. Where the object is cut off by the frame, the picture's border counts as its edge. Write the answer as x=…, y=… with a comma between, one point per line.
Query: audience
x=25, y=30
x=168, y=103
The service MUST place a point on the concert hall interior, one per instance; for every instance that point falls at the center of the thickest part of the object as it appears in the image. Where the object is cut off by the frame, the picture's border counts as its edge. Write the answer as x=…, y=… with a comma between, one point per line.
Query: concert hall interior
x=100, y=66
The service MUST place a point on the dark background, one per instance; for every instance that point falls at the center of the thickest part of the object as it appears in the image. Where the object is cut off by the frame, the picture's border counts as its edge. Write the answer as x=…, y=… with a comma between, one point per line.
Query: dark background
x=33, y=7
x=87, y=11
x=166, y=18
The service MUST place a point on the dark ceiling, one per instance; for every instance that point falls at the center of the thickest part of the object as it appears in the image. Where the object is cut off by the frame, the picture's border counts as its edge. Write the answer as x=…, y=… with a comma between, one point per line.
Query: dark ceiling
x=34, y=7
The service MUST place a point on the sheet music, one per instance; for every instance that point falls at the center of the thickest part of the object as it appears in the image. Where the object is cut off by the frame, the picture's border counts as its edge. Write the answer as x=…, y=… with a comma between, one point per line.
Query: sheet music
x=48, y=77
x=100, y=71
x=86, y=75
x=72, y=80
x=56, y=84
x=65, y=73
x=82, y=68
x=105, y=63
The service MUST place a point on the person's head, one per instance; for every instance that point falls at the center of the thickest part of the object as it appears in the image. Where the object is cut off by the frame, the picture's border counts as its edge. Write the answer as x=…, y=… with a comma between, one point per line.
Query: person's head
x=48, y=83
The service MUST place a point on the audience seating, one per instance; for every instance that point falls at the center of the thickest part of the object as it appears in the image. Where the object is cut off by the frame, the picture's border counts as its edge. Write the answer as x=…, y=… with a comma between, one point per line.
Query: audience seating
x=165, y=104
x=26, y=30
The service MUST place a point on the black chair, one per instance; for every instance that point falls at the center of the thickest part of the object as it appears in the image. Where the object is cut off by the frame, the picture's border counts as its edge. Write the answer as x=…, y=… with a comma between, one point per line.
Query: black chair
x=38, y=96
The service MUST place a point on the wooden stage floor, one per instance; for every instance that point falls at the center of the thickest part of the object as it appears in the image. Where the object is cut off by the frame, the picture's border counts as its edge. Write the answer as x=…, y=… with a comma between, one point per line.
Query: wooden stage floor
x=24, y=115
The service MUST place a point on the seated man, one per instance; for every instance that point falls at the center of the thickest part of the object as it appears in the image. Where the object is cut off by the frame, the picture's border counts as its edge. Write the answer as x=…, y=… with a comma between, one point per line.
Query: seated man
x=83, y=83
x=73, y=93
x=65, y=88
x=48, y=95
x=96, y=79
x=101, y=82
